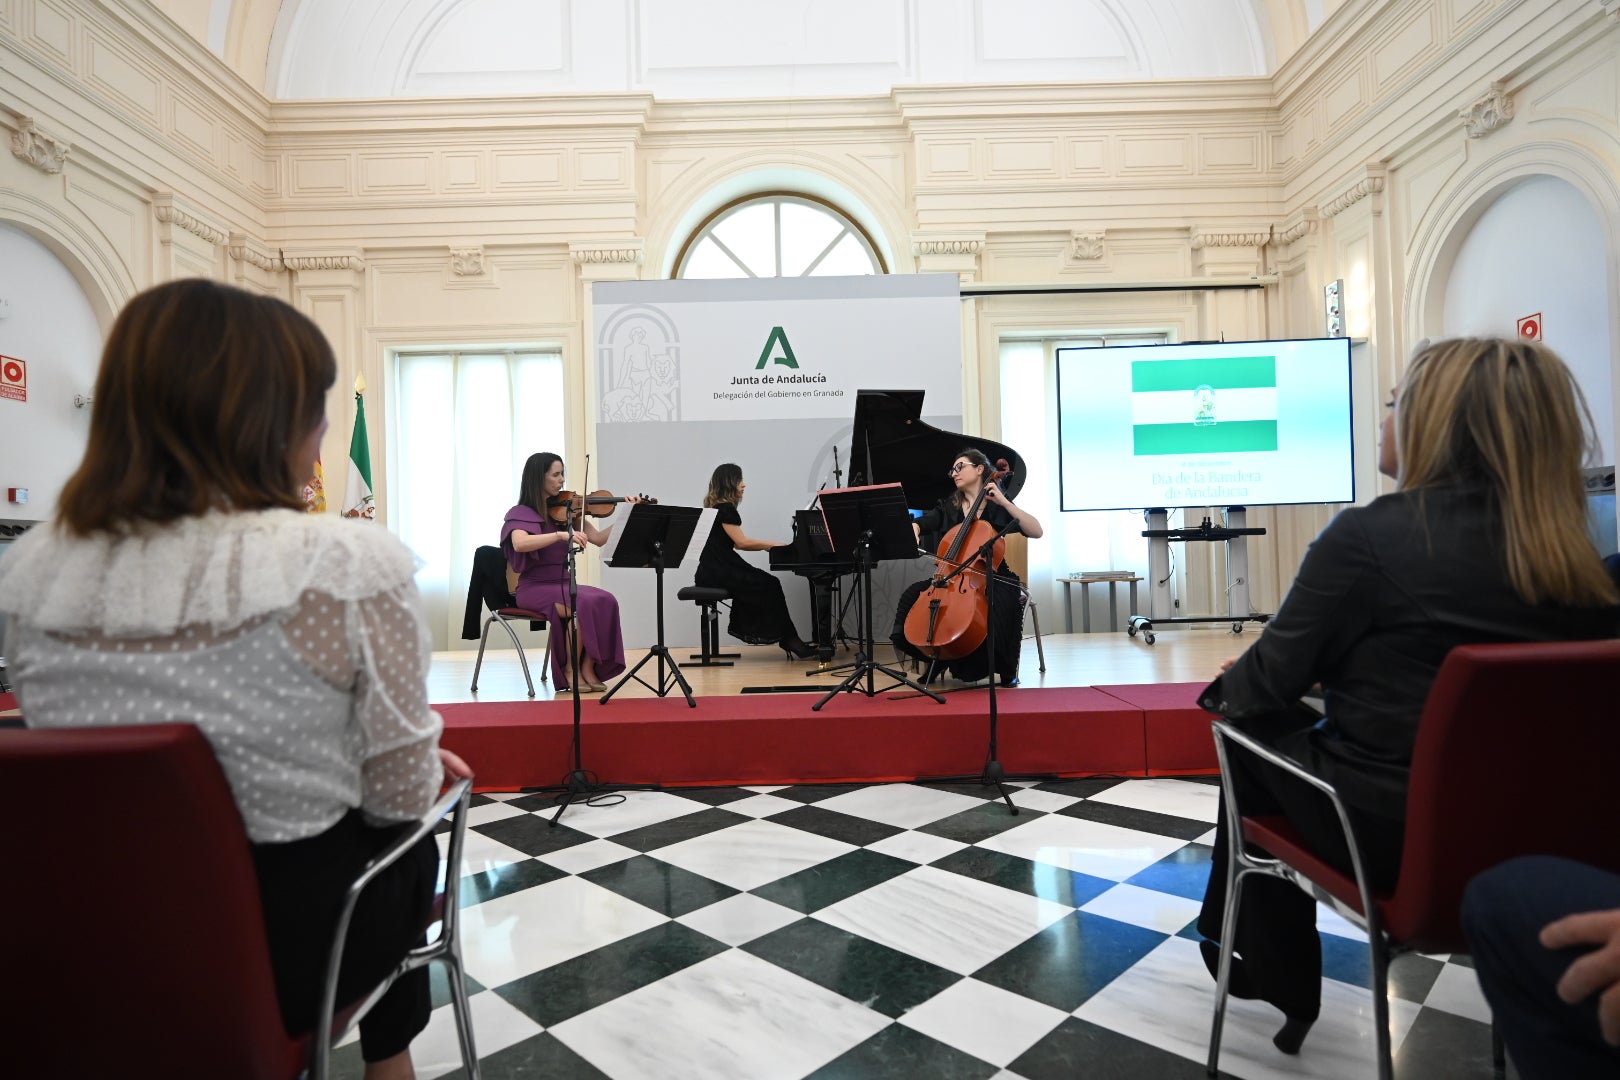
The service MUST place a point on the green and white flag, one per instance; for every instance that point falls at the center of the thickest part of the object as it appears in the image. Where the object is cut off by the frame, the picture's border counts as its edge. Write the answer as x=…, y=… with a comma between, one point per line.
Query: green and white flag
x=1222, y=405
x=358, y=501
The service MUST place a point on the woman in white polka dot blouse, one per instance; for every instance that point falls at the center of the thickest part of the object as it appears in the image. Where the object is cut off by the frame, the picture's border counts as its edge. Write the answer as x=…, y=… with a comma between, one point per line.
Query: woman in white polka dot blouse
x=182, y=581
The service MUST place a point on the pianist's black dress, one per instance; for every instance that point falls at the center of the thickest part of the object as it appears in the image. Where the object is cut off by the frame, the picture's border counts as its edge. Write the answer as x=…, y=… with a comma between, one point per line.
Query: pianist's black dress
x=759, y=612
x=1009, y=602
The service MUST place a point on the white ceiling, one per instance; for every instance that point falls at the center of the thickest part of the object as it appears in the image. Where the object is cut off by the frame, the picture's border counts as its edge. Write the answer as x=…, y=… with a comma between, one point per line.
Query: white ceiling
x=689, y=49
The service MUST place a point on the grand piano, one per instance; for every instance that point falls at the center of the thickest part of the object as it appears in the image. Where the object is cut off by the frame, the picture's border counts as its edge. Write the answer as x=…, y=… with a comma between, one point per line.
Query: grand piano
x=890, y=444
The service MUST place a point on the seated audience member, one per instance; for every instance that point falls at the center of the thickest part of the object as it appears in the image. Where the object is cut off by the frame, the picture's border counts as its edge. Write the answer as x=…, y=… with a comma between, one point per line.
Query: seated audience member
x=1545, y=937
x=182, y=581
x=1484, y=540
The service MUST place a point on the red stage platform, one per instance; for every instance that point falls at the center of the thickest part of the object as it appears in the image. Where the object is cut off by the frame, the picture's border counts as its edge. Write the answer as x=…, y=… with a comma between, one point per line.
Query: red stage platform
x=778, y=739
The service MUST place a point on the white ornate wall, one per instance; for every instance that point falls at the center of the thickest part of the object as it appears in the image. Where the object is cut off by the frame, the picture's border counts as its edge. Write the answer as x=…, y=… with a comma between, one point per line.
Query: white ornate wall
x=140, y=155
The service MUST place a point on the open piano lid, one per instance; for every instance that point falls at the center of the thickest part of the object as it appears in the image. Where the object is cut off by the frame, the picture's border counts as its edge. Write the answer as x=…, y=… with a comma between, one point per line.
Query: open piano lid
x=892, y=445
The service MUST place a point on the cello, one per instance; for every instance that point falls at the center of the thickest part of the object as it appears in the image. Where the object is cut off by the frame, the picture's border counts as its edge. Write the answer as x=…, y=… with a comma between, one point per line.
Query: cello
x=951, y=618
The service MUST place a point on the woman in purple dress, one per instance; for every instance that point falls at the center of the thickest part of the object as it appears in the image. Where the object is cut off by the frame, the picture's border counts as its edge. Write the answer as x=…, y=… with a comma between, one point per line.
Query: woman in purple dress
x=537, y=551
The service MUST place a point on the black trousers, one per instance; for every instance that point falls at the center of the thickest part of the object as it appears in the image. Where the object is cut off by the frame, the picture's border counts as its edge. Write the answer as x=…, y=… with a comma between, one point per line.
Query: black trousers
x=1276, y=934
x=301, y=885
x=1504, y=910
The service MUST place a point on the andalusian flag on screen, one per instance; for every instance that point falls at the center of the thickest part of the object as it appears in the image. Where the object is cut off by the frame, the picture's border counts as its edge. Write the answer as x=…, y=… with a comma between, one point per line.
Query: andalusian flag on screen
x=1223, y=405
x=358, y=502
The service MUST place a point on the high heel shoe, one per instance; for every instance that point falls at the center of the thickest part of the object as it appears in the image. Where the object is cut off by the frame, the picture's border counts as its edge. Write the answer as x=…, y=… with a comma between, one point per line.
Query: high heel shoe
x=798, y=648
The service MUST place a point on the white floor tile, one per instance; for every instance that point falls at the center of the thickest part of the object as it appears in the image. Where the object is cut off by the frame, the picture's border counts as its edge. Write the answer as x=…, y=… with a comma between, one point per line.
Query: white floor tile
x=730, y=1017
x=916, y=847
x=1045, y=801
x=588, y=856
x=496, y=1025
x=904, y=805
x=1329, y=921
x=1168, y=999
x=513, y=935
x=752, y=854
x=740, y=919
x=1178, y=798
x=992, y=1024
x=1091, y=847
x=483, y=815
x=1144, y=907
x=760, y=806
x=1457, y=991
x=944, y=918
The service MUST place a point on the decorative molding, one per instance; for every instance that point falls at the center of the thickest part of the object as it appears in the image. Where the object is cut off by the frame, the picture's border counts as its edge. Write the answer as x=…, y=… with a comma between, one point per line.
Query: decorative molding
x=1303, y=224
x=44, y=152
x=1490, y=113
x=947, y=243
x=1371, y=182
x=170, y=214
x=467, y=262
x=1611, y=8
x=1202, y=239
x=587, y=253
x=244, y=248
x=1086, y=246
x=322, y=262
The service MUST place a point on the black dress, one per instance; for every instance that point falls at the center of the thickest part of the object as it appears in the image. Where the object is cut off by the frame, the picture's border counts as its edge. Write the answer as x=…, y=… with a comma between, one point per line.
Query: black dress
x=1008, y=602
x=759, y=611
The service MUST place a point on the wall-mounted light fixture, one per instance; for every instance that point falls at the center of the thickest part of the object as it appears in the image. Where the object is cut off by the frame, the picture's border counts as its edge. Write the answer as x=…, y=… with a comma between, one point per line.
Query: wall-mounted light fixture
x=82, y=401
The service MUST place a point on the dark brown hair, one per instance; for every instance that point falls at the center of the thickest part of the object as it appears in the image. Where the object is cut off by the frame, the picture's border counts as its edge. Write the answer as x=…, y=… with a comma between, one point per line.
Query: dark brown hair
x=532, y=488
x=205, y=392
x=723, y=484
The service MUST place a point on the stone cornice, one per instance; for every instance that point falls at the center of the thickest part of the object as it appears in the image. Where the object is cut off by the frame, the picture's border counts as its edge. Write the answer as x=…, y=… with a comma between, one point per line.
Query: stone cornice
x=1489, y=113
x=244, y=248
x=168, y=213
x=953, y=243
x=1086, y=246
x=1371, y=182
x=1301, y=224
x=1248, y=238
x=323, y=262
x=588, y=253
x=44, y=152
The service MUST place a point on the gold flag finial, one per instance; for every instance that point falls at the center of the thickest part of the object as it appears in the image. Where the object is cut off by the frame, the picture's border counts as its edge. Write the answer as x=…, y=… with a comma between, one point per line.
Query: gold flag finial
x=360, y=383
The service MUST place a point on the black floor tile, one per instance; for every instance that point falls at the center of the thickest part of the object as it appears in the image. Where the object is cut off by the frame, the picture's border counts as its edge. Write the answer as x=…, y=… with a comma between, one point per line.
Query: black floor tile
x=881, y=978
x=1070, y=960
x=700, y=822
x=1077, y=1049
x=1128, y=817
x=487, y=884
x=1081, y=787
x=532, y=834
x=836, y=879
x=836, y=826
x=1184, y=872
x=556, y=993
x=979, y=823
x=900, y=1053
x=1442, y=1044
x=1048, y=882
x=439, y=982
x=814, y=793
x=659, y=885
x=543, y=1057
x=973, y=789
x=714, y=796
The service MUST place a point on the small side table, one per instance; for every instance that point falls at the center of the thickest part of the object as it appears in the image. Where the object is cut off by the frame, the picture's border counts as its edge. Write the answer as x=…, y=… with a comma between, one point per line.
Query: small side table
x=1085, y=584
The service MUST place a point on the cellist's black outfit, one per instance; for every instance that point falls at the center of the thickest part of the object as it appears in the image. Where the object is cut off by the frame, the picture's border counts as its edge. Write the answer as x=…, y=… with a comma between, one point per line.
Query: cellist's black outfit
x=1009, y=600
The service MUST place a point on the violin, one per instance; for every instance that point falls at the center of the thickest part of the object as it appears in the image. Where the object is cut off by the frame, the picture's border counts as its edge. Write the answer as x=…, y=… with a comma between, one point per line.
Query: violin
x=567, y=504
x=952, y=617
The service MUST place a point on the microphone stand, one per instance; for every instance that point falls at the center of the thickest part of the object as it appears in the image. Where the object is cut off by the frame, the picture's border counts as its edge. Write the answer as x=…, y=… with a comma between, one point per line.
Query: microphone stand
x=579, y=783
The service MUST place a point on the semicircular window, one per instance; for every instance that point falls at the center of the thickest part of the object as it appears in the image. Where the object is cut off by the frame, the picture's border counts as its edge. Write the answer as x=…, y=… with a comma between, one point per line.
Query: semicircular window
x=778, y=235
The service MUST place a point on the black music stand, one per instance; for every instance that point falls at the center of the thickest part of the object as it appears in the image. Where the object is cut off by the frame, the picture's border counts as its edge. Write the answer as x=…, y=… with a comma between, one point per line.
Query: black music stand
x=871, y=524
x=655, y=536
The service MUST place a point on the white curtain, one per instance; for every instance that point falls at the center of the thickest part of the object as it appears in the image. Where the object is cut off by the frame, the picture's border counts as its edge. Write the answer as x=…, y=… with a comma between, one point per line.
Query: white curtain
x=462, y=427
x=1080, y=540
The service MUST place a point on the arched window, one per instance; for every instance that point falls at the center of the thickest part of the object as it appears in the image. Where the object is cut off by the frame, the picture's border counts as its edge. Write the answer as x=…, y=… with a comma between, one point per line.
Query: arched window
x=778, y=235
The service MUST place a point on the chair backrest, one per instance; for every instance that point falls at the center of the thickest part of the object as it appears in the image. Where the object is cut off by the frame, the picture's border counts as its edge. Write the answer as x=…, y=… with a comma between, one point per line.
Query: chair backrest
x=137, y=943
x=1516, y=744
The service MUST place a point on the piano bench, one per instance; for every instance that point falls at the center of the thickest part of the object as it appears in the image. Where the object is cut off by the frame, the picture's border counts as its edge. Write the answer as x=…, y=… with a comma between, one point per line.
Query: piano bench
x=708, y=601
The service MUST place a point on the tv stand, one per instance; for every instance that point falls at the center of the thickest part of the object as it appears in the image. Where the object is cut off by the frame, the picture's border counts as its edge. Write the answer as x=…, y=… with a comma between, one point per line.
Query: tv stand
x=1234, y=533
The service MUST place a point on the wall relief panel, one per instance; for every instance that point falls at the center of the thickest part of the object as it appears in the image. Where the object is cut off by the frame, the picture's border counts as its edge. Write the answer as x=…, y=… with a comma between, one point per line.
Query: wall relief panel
x=1588, y=92
x=110, y=69
x=520, y=171
x=190, y=125
x=1229, y=153
x=396, y=174
x=1164, y=154
x=322, y=176
x=1404, y=48
x=51, y=31
x=1023, y=158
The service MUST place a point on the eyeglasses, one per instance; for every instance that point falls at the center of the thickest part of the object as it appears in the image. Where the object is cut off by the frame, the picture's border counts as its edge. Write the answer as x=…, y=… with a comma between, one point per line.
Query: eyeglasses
x=959, y=466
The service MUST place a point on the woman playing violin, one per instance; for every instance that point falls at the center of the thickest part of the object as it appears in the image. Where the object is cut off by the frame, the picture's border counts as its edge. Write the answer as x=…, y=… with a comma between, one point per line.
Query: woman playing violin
x=971, y=473
x=536, y=549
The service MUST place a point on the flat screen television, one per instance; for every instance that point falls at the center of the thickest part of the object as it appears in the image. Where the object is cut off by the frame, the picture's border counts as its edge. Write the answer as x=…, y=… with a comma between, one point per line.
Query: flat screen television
x=1234, y=423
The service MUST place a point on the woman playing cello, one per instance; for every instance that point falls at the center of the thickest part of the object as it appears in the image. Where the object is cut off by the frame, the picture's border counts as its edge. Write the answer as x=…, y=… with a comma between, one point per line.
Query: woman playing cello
x=972, y=475
x=537, y=551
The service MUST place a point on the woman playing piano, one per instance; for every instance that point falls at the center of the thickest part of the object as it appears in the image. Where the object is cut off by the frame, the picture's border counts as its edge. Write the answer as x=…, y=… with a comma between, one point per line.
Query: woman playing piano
x=537, y=551
x=970, y=472
x=759, y=612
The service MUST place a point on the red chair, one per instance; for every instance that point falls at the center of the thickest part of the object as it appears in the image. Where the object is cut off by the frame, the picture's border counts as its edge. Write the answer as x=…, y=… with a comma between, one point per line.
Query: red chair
x=1513, y=742
x=137, y=938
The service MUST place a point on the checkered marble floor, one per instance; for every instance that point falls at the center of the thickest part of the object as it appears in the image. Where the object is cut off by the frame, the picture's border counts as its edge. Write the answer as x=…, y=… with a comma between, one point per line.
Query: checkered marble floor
x=900, y=930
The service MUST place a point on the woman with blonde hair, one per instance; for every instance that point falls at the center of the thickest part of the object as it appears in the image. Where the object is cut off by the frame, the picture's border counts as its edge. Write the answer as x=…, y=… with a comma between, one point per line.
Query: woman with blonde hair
x=1483, y=540
x=183, y=582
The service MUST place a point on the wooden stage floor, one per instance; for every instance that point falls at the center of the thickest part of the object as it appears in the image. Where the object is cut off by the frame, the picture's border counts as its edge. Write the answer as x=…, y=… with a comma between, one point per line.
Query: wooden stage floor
x=1190, y=654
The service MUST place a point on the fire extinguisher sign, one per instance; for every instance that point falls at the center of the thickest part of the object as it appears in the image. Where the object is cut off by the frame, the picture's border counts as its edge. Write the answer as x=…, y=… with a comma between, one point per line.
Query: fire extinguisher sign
x=13, y=378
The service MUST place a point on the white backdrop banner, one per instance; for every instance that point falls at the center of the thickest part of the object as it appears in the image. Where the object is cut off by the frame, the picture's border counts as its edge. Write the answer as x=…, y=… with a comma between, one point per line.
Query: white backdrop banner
x=762, y=372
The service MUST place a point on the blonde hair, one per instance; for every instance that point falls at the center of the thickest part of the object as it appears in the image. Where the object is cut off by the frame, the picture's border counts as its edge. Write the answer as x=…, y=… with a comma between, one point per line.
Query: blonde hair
x=1508, y=416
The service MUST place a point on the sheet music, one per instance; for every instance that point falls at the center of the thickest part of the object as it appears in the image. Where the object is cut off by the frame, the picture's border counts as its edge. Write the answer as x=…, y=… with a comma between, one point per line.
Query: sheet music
x=700, y=536
x=612, y=544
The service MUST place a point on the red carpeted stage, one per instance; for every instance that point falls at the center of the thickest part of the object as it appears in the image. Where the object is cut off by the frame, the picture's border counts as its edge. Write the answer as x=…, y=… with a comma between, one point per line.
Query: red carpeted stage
x=1147, y=730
